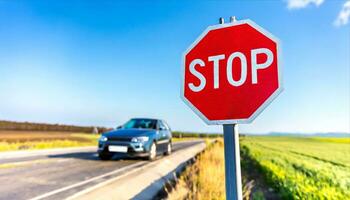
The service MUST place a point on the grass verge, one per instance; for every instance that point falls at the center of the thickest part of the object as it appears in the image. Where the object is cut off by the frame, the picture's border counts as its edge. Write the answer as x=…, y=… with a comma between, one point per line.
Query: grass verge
x=69, y=140
x=205, y=179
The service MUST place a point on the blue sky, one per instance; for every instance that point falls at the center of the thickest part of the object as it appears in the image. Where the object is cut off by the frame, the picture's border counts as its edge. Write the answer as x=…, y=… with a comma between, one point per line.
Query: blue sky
x=89, y=63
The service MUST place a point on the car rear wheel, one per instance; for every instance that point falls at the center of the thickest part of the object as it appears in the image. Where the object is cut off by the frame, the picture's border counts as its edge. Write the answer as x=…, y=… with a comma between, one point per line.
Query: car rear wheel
x=104, y=156
x=152, y=152
x=169, y=148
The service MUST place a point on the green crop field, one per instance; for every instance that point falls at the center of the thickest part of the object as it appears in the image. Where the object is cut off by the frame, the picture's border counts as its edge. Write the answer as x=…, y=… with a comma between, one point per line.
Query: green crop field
x=302, y=168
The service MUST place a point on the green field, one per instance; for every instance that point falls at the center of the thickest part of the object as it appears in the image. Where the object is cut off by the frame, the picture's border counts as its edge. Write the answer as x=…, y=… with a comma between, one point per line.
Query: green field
x=302, y=168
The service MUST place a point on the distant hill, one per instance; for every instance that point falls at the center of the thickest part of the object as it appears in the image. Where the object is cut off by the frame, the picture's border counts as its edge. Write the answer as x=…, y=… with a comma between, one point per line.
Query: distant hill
x=30, y=126
x=330, y=134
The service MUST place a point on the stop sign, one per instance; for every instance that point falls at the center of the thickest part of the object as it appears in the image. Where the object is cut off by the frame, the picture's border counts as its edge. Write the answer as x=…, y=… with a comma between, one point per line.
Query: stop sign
x=231, y=72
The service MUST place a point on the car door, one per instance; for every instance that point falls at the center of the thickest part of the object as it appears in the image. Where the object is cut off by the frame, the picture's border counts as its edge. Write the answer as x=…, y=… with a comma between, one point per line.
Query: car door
x=168, y=131
x=162, y=137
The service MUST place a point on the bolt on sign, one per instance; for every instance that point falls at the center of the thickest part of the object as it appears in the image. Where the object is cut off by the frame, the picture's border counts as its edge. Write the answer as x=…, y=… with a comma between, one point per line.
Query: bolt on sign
x=231, y=72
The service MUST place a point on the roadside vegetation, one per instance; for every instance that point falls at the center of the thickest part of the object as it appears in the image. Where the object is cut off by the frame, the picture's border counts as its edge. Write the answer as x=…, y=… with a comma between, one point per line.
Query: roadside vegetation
x=183, y=136
x=273, y=168
x=303, y=168
x=23, y=140
x=179, y=134
x=30, y=136
x=30, y=126
x=205, y=179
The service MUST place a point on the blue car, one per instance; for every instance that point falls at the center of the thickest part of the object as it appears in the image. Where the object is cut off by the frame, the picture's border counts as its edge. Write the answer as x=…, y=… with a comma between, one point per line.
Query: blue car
x=139, y=137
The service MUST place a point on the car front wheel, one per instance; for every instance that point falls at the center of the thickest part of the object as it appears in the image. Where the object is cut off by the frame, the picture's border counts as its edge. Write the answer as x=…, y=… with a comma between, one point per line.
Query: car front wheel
x=152, y=152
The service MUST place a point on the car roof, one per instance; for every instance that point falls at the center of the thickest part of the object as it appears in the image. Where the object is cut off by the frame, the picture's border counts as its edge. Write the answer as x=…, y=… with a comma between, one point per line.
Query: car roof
x=148, y=119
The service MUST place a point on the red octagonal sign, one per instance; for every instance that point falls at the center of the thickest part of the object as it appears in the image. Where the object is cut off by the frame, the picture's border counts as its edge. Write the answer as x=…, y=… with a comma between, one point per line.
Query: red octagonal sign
x=231, y=72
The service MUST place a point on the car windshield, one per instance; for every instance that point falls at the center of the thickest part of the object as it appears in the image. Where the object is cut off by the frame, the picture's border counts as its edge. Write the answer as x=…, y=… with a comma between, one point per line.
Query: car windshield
x=141, y=123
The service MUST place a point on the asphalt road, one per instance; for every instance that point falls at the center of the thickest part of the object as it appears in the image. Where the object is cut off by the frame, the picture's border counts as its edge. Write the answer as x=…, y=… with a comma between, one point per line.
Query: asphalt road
x=62, y=175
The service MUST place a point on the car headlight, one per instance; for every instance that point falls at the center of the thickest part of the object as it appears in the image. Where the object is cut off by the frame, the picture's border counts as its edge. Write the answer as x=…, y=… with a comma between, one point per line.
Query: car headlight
x=140, y=139
x=103, y=138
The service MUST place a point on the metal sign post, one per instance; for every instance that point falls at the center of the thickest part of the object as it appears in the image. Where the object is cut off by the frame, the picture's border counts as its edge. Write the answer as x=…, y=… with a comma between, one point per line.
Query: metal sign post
x=233, y=179
x=232, y=162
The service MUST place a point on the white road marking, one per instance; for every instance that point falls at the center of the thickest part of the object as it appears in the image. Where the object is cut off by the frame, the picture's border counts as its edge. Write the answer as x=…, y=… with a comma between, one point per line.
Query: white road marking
x=87, y=181
x=87, y=190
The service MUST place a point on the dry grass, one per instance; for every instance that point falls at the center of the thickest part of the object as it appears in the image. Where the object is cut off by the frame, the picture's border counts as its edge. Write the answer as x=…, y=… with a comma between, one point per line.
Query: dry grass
x=26, y=136
x=205, y=179
x=27, y=140
x=174, y=139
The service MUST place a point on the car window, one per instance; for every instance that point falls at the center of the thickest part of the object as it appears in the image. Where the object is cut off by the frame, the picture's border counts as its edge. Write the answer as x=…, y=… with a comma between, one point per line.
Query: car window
x=161, y=125
x=141, y=123
x=166, y=125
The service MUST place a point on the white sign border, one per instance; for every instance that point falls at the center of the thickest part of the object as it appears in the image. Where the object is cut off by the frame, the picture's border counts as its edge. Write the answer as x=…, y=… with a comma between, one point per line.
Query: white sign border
x=267, y=101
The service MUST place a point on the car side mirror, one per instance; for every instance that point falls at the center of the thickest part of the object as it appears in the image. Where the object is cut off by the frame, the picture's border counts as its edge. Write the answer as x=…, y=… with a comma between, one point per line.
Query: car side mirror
x=119, y=127
x=161, y=128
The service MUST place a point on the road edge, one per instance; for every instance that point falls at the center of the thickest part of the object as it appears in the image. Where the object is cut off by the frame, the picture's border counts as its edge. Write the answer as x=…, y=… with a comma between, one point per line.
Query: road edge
x=156, y=173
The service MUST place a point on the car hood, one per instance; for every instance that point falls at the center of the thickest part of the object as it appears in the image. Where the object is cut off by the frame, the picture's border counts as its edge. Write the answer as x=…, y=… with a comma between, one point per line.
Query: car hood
x=129, y=132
